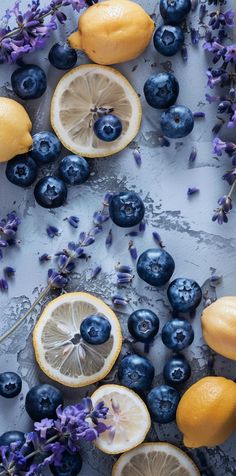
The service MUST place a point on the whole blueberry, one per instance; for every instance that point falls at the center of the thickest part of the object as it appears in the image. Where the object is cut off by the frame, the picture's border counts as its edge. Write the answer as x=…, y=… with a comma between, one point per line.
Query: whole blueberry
x=126, y=209
x=50, y=192
x=184, y=294
x=155, y=266
x=22, y=170
x=62, y=56
x=70, y=465
x=176, y=370
x=42, y=401
x=74, y=169
x=162, y=402
x=12, y=437
x=136, y=372
x=143, y=325
x=46, y=147
x=95, y=329
x=161, y=90
x=108, y=127
x=174, y=11
x=177, y=334
x=177, y=122
x=10, y=384
x=168, y=39
x=29, y=82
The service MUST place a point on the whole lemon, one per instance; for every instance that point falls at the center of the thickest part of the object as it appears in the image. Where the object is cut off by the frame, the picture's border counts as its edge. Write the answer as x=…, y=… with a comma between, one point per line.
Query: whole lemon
x=113, y=31
x=206, y=414
x=15, y=138
x=219, y=326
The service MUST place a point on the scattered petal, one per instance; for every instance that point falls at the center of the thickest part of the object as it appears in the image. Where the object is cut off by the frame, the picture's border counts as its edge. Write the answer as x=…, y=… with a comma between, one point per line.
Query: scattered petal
x=193, y=155
x=44, y=257
x=73, y=221
x=96, y=272
x=192, y=191
x=199, y=114
x=52, y=231
x=142, y=226
x=9, y=271
x=123, y=268
x=137, y=157
x=133, y=250
x=3, y=285
x=158, y=239
x=119, y=300
x=109, y=239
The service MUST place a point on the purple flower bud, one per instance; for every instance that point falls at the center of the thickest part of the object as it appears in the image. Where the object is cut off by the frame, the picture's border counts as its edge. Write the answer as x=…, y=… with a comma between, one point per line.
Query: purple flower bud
x=107, y=198
x=224, y=106
x=3, y=285
x=193, y=155
x=99, y=218
x=217, y=127
x=96, y=272
x=44, y=257
x=108, y=241
x=82, y=236
x=132, y=233
x=220, y=216
x=132, y=250
x=192, y=191
x=142, y=226
x=158, y=239
x=215, y=279
x=119, y=300
x=73, y=221
x=56, y=280
x=199, y=114
x=202, y=12
x=226, y=203
x=89, y=240
x=123, y=268
x=137, y=157
x=195, y=36
x=9, y=271
x=3, y=243
x=62, y=260
x=52, y=231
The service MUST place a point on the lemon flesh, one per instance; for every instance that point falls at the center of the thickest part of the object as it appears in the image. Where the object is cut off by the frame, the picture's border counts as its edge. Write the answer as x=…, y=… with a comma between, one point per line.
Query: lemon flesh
x=155, y=459
x=15, y=138
x=78, y=94
x=128, y=418
x=59, y=349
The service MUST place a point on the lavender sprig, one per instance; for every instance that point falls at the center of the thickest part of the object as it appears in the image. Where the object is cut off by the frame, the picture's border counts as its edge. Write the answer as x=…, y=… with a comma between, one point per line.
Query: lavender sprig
x=8, y=231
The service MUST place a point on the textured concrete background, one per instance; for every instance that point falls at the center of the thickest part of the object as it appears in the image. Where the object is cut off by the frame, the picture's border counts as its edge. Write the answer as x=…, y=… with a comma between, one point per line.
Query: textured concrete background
x=185, y=225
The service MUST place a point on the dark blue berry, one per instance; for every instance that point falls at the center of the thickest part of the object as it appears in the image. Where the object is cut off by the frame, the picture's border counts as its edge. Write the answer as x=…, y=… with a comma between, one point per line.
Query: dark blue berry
x=177, y=334
x=108, y=127
x=46, y=147
x=12, y=437
x=184, y=294
x=162, y=402
x=155, y=266
x=70, y=465
x=168, y=39
x=74, y=170
x=177, y=122
x=161, y=90
x=143, y=325
x=126, y=209
x=42, y=401
x=176, y=370
x=22, y=170
x=62, y=56
x=29, y=82
x=95, y=329
x=174, y=11
x=50, y=192
x=10, y=384
x=136, y=372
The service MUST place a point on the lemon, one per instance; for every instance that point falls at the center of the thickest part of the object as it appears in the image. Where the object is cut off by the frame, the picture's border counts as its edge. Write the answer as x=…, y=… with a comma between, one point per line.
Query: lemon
x=128, y=418
x=59, y=349
x=219, y=326
x=206, y=414
x=78, y=94
x=15, y=138
x=155, y=459
x=113, y=31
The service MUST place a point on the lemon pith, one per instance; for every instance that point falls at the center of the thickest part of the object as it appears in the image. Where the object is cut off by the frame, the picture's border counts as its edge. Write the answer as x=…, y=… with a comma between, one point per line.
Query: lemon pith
x=15, y=138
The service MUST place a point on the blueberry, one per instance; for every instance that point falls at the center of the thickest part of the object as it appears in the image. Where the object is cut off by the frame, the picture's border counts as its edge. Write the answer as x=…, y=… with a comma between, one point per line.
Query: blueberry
x=155, y=266
x=176, y=370
x=126, y=209
x=143, y=325
x=74, y=170
x=42, y=401
x=95, y=329
x=62, y=56
x=70, y=465
x=108, y=127
x=174, y=11
x=136, y=372
x=22, y=170
x=10, y=384
x=168, y=39
x=12, y=437
x=161, y=90
x=177, y=334
x=46, y=147
x=162, y=402
x=29, y=82
x=177, y=122
x=50, y=192
x=184, y=294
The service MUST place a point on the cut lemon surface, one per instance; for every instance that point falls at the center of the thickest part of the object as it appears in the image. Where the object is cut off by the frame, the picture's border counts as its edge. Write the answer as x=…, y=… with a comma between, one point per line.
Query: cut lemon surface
x=79, y=94
x=59, y=349
x=155, y=459
x=128, y=418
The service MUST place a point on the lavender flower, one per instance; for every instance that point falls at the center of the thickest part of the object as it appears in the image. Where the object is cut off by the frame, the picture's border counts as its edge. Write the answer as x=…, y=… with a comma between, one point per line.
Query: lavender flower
x=73, y=221
x=195, y=36
x=107, y=198
x=193, y=155
x=119, y=300
x=123, y=268
x=3, y=285
x=137, y=157
x=230, y=54
x=96, y=272
x=132, y=250
x=202, y=12
x=124, y=278
x=192, y=191
x=158, y=239
x=44, y=257
x=56, y=280
x=52, y=231
x=218, y=146
x=99, y=218
x=199, y=114
x=142, y=226
x=109, y=239
x=9, y=271
x=215, y=280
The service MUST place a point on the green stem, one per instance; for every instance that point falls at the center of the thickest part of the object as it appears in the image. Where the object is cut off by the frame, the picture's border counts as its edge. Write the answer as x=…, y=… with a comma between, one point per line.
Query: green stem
x=232, y=189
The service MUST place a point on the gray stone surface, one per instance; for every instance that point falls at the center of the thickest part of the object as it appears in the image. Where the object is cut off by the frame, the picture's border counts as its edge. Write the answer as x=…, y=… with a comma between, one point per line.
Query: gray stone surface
x=185, y=225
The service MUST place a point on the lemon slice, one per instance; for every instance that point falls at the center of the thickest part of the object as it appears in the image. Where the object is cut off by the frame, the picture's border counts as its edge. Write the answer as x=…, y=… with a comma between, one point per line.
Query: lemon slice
x=128, y=418
x=59, y=349
x=82, y=91
x=155, y=459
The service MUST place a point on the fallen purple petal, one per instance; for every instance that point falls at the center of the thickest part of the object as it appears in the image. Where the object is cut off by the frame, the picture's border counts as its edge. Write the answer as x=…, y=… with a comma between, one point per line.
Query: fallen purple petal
x=96, y=272
x=44, y=257
x=193, y=155
x=3, y=285
x=137, y=157
x=73, y=221
x=199, y=114
x=9, y=271
x=108, y=241
x=52, y=231
x=158, y=239
x=133, y=250
x=192, y=191
x=119, y=300
x=123, y=268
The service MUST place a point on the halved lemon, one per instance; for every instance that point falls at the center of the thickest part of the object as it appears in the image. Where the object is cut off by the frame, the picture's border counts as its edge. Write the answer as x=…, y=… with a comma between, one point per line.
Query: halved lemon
x=128, y=418
x=79, y=94
x=59, y=349
x=155, y=459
